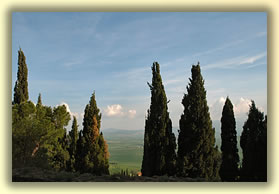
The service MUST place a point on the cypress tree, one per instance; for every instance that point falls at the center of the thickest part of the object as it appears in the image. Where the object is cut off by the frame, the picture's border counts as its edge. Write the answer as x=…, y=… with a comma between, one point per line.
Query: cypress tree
x=91, y=144
x=40, y=109
x=230, y=158
x=73, y=138
x=103, y=155
x=39, y=102
x=159, y=141
x=21, y=85
x=197, y=156
x=253, y=142
x=80, y=153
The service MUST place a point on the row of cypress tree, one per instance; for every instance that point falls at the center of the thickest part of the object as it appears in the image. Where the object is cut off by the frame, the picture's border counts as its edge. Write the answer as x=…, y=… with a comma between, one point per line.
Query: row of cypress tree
x=40, y=139
x=197, y=155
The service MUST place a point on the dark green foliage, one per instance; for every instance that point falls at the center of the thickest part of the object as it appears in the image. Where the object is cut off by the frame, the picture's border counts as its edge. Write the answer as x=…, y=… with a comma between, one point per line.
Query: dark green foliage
x=21, y=85
x=38, y=132
x=197, y=156
x=102, y=155
x=39, y=102
x=159, y=141
x=253, y=142
x=32, y=133
x=22, y=145
x=169, y=149
x=90, y=111
x=92, y=153
x=41, y=111
x=73, y=138
x=230, y=158
x=81, y=152
x=58, y=150
x=61, y=117
x=38, y=136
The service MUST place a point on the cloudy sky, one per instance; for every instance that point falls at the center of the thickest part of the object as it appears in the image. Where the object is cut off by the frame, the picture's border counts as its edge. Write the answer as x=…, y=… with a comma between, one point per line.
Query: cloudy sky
x=70, y=55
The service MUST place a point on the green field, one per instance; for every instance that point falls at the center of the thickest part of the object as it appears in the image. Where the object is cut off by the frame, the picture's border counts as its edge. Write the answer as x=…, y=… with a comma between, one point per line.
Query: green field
x=126, y=150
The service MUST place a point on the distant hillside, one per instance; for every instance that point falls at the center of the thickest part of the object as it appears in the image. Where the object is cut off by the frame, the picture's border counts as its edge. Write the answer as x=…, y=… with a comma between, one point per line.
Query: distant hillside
x=121, y=133
x=126, y=148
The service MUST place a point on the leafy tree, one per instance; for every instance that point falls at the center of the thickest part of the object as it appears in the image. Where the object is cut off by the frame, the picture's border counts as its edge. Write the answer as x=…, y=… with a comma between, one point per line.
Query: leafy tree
x=58, y=150
x=253, y=142
x=230, y=158
x=197, y=156
x=21, y=85
x=38, y=132
x=33, y=133
x=159, y=141
x=22, y=146
x=92, y=150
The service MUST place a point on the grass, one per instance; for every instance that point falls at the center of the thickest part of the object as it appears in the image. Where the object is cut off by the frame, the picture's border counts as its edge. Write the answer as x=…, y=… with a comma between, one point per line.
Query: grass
x=125, y=153
x=126, y=150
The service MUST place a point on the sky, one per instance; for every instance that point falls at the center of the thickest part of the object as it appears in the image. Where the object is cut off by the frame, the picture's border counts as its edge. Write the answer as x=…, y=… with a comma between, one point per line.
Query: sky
x=71, y=55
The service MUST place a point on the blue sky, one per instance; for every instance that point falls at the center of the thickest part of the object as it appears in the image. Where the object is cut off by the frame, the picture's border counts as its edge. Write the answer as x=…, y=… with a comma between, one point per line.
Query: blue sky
x=69, y=55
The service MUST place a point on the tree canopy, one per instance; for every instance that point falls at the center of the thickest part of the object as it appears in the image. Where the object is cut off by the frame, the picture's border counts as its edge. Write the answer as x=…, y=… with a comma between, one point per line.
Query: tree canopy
x=92, y=150
x=21, y=85
x=159, y=142
x=197, y=154
x=253, y=142
x=230, y=158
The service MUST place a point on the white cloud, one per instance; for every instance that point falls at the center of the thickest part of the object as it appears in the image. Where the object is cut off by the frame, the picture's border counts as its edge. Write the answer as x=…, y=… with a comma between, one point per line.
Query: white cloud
x=241, y=108
x=222, y=47
x=252, y=59
x=132, y=113
x=222, y=100
x=216, y=109
x=235, y=62
x=114, y=110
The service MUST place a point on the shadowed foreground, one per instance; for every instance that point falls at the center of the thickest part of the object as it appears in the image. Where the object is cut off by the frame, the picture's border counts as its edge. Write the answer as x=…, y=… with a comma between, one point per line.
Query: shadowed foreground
x=42, y=175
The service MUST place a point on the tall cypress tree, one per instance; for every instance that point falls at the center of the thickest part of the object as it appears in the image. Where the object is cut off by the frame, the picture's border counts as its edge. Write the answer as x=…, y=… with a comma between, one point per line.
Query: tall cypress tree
x=80, y=153
x=91, y=145
x=230, y=158
x=197, y=156
x=253, y=142
x=159, y=141
x=39, y=102
x=21, y=85
x=73, y=138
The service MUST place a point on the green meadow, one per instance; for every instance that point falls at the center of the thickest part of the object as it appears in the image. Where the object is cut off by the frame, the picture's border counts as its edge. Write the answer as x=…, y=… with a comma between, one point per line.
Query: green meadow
x=125, y=148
